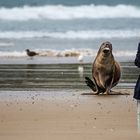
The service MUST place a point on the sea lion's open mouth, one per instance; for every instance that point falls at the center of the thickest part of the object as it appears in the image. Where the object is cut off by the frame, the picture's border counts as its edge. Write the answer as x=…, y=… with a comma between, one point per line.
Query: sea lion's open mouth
x=106, y=50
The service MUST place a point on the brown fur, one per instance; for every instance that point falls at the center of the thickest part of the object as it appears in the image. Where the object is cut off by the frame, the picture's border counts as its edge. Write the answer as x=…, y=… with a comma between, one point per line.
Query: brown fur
x=105, y=70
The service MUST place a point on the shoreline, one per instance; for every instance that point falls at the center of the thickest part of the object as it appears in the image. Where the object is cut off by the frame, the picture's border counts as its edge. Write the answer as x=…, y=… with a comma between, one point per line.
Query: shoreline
x=57, y=76
x=56, y=60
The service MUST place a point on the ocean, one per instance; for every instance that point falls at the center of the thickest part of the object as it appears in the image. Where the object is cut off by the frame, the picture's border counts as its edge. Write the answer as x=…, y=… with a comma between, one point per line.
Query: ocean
x=60, y=28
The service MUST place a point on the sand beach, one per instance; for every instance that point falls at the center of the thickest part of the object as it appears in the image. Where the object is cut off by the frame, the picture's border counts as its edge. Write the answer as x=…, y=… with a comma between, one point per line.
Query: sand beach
x=45, y=101
x=66, y=114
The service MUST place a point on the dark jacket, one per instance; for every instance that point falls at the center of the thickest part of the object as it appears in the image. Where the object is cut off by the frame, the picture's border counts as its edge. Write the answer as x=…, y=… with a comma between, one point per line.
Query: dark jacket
x=137, y=87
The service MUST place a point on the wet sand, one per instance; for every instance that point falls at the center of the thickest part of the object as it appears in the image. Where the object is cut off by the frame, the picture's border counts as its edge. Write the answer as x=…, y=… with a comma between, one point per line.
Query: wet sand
x=57, y=76
x=66, y=115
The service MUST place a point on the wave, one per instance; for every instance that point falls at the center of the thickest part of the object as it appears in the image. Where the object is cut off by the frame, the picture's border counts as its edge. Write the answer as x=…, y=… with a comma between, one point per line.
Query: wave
x=60, y=12
x=87, y=34
x=6, y=44
x=68, y=53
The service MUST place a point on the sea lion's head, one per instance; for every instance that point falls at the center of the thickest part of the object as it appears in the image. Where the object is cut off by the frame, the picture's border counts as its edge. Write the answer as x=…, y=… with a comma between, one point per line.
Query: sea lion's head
x=105, y=49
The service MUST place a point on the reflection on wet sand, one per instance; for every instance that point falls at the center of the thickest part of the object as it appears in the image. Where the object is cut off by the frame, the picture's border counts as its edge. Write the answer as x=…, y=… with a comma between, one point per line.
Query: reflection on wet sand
x=81, y=71
x=69, y=76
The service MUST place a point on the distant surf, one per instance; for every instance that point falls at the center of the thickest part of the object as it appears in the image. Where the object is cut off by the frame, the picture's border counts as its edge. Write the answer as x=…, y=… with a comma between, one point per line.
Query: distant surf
x=61, y=12
x=85, y=34
x=6, y=44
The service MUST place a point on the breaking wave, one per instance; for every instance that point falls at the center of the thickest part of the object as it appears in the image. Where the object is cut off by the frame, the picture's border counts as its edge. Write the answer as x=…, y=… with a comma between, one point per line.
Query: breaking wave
x=87, y=34
x=60, y=12
x=6, y=44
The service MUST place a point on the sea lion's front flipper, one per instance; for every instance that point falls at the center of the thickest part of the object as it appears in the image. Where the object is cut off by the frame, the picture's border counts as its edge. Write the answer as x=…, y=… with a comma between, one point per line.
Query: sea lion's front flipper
x=92, y=85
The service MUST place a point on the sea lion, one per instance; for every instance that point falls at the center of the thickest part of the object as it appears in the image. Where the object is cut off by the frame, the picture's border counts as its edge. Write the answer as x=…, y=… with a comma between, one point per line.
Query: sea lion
x=105, y=71
x=31, y=53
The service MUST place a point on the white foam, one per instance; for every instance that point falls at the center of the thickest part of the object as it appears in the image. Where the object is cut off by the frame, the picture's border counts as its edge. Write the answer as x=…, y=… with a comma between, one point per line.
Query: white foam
x=6, y=44
x=12, y=54
x=68, y=53
x=57, y=12
x=124, y=53
x=87, y=34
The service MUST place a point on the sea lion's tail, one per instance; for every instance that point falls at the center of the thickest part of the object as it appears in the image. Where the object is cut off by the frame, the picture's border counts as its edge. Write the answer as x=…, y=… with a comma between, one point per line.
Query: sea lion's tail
x=90, y=84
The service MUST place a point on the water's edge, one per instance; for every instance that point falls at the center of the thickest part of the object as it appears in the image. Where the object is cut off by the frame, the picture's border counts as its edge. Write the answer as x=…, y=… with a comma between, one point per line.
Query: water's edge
x=56, y=76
